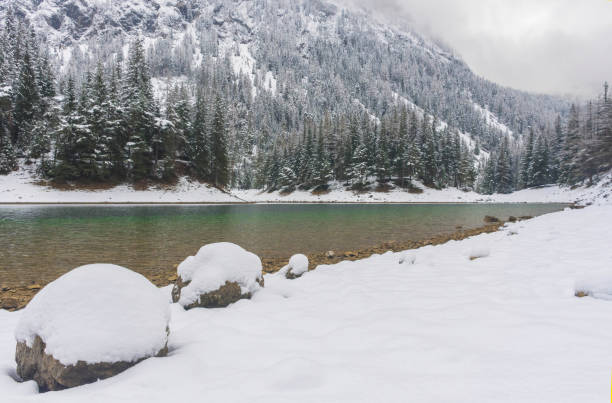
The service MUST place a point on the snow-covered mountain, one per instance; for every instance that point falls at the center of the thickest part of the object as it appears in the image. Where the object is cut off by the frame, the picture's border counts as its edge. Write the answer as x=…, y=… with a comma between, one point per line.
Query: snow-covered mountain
x=279, y=44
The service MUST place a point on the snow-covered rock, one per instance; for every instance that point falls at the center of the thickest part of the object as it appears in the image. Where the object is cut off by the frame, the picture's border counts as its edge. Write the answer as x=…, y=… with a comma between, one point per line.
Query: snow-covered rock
x=218, y=275
x=298, y=265
x=91, y=323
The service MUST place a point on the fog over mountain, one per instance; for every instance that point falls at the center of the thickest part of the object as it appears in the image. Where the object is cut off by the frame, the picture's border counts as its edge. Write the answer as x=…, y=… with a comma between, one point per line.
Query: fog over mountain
x=549, y=46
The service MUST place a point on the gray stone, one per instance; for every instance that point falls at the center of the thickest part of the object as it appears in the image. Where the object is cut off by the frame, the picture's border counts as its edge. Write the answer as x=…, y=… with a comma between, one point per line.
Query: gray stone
x=227, y=294
x=50, y=374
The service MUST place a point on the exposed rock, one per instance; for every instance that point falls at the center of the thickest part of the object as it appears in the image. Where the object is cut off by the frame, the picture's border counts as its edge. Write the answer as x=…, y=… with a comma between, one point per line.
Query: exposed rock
x=581, y=294
x=50, y=374
x=350, y=254
x=330, y=254
x=526, y=217
x=225, y=295
x=490, y=219
x=512, y=218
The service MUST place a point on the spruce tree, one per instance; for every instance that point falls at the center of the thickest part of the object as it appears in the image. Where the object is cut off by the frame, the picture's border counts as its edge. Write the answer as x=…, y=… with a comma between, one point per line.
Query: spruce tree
x=525, y=171
x=218, y=139
x=26, y=101
x=539, y=169
x=504, y=179
x=8, y=161
x=198, y=145
x=140, y=114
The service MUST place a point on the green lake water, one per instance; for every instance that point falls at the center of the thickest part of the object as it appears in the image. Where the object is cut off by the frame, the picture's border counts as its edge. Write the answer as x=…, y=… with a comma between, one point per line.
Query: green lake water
x=39, y=243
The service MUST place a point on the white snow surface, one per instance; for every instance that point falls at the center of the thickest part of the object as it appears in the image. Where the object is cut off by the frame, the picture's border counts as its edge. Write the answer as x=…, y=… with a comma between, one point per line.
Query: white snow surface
x=214, y=265
x=97, y=313
x=507, y=328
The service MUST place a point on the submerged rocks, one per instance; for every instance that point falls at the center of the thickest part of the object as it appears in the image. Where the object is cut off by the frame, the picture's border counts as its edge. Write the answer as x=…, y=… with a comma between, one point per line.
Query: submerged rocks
x=92, y=323
x=491, y=219
x=218, y=275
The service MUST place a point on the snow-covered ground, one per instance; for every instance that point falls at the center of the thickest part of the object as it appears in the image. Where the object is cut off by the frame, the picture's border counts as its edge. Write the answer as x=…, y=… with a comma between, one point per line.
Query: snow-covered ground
x=504, y=327
x=21, y=187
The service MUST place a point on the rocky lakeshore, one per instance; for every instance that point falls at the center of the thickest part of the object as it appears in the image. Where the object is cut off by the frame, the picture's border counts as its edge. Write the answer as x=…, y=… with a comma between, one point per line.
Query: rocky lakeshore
x=14, y=298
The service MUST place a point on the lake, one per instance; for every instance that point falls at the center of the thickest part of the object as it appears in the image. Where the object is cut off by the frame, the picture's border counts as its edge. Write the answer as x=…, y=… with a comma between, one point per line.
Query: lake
x=39, y=243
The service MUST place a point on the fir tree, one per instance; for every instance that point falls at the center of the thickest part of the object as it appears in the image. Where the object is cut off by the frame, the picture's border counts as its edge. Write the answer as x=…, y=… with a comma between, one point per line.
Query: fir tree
x=219, y=158
x=8, y=161
x=503, y=171
x=198, y=146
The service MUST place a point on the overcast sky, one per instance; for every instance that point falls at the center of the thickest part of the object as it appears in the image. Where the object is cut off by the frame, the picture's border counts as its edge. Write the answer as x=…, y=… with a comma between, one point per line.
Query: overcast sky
x=550, y=46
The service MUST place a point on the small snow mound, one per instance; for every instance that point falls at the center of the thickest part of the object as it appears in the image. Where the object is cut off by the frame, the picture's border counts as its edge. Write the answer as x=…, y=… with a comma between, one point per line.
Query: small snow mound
x=97, y=313
x=479, y=252
x=407, y=258
x=595, y=285
x=213, y=266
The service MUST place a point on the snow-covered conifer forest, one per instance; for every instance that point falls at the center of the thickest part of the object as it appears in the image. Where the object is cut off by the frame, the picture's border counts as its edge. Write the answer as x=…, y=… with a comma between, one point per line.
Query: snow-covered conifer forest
x=274, y=94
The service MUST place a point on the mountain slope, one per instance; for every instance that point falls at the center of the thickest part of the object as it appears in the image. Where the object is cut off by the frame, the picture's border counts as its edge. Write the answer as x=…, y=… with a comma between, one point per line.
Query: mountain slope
x=288, y=74
x=334, y=55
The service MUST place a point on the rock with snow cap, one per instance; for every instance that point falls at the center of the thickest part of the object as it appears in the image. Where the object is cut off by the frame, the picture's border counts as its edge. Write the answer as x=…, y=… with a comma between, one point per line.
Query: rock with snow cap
x=91, y=323
x=218, y=275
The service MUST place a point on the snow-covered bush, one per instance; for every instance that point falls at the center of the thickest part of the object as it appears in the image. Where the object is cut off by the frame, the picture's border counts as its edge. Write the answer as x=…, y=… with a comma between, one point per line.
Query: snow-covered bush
x=298, y=265
x=218, y=275
x=91, y=323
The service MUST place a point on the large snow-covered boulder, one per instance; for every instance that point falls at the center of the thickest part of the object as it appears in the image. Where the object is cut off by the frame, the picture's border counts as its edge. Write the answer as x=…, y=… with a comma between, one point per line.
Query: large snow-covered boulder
x=298, y=265
x=91, y=323
x=218, y=275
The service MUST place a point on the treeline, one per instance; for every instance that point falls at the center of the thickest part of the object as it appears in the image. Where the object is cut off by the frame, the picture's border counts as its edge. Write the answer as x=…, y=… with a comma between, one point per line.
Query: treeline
x=109, y=129
x=360, y=150
x=567, y=153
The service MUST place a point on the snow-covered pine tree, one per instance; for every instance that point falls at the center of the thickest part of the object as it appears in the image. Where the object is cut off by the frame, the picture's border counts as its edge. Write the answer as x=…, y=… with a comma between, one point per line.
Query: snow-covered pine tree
x=539, y=169
x=488, y=183
x=503, y=172
x=358, y=171
x=218, y=140
x=383, y=166
x=198, y=143
x=8, y=161
x=139, y=113
x=570, y=168
x=556, y=148
x=525, y=179
x=429, y=168
x=27, y=100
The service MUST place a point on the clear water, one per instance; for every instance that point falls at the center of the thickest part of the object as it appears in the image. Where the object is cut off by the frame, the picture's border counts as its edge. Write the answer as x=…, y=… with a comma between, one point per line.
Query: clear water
x=39, y=243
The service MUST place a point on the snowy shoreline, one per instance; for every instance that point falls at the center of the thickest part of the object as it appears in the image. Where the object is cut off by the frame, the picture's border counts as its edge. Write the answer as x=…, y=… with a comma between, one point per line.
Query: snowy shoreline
x=20, y=188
